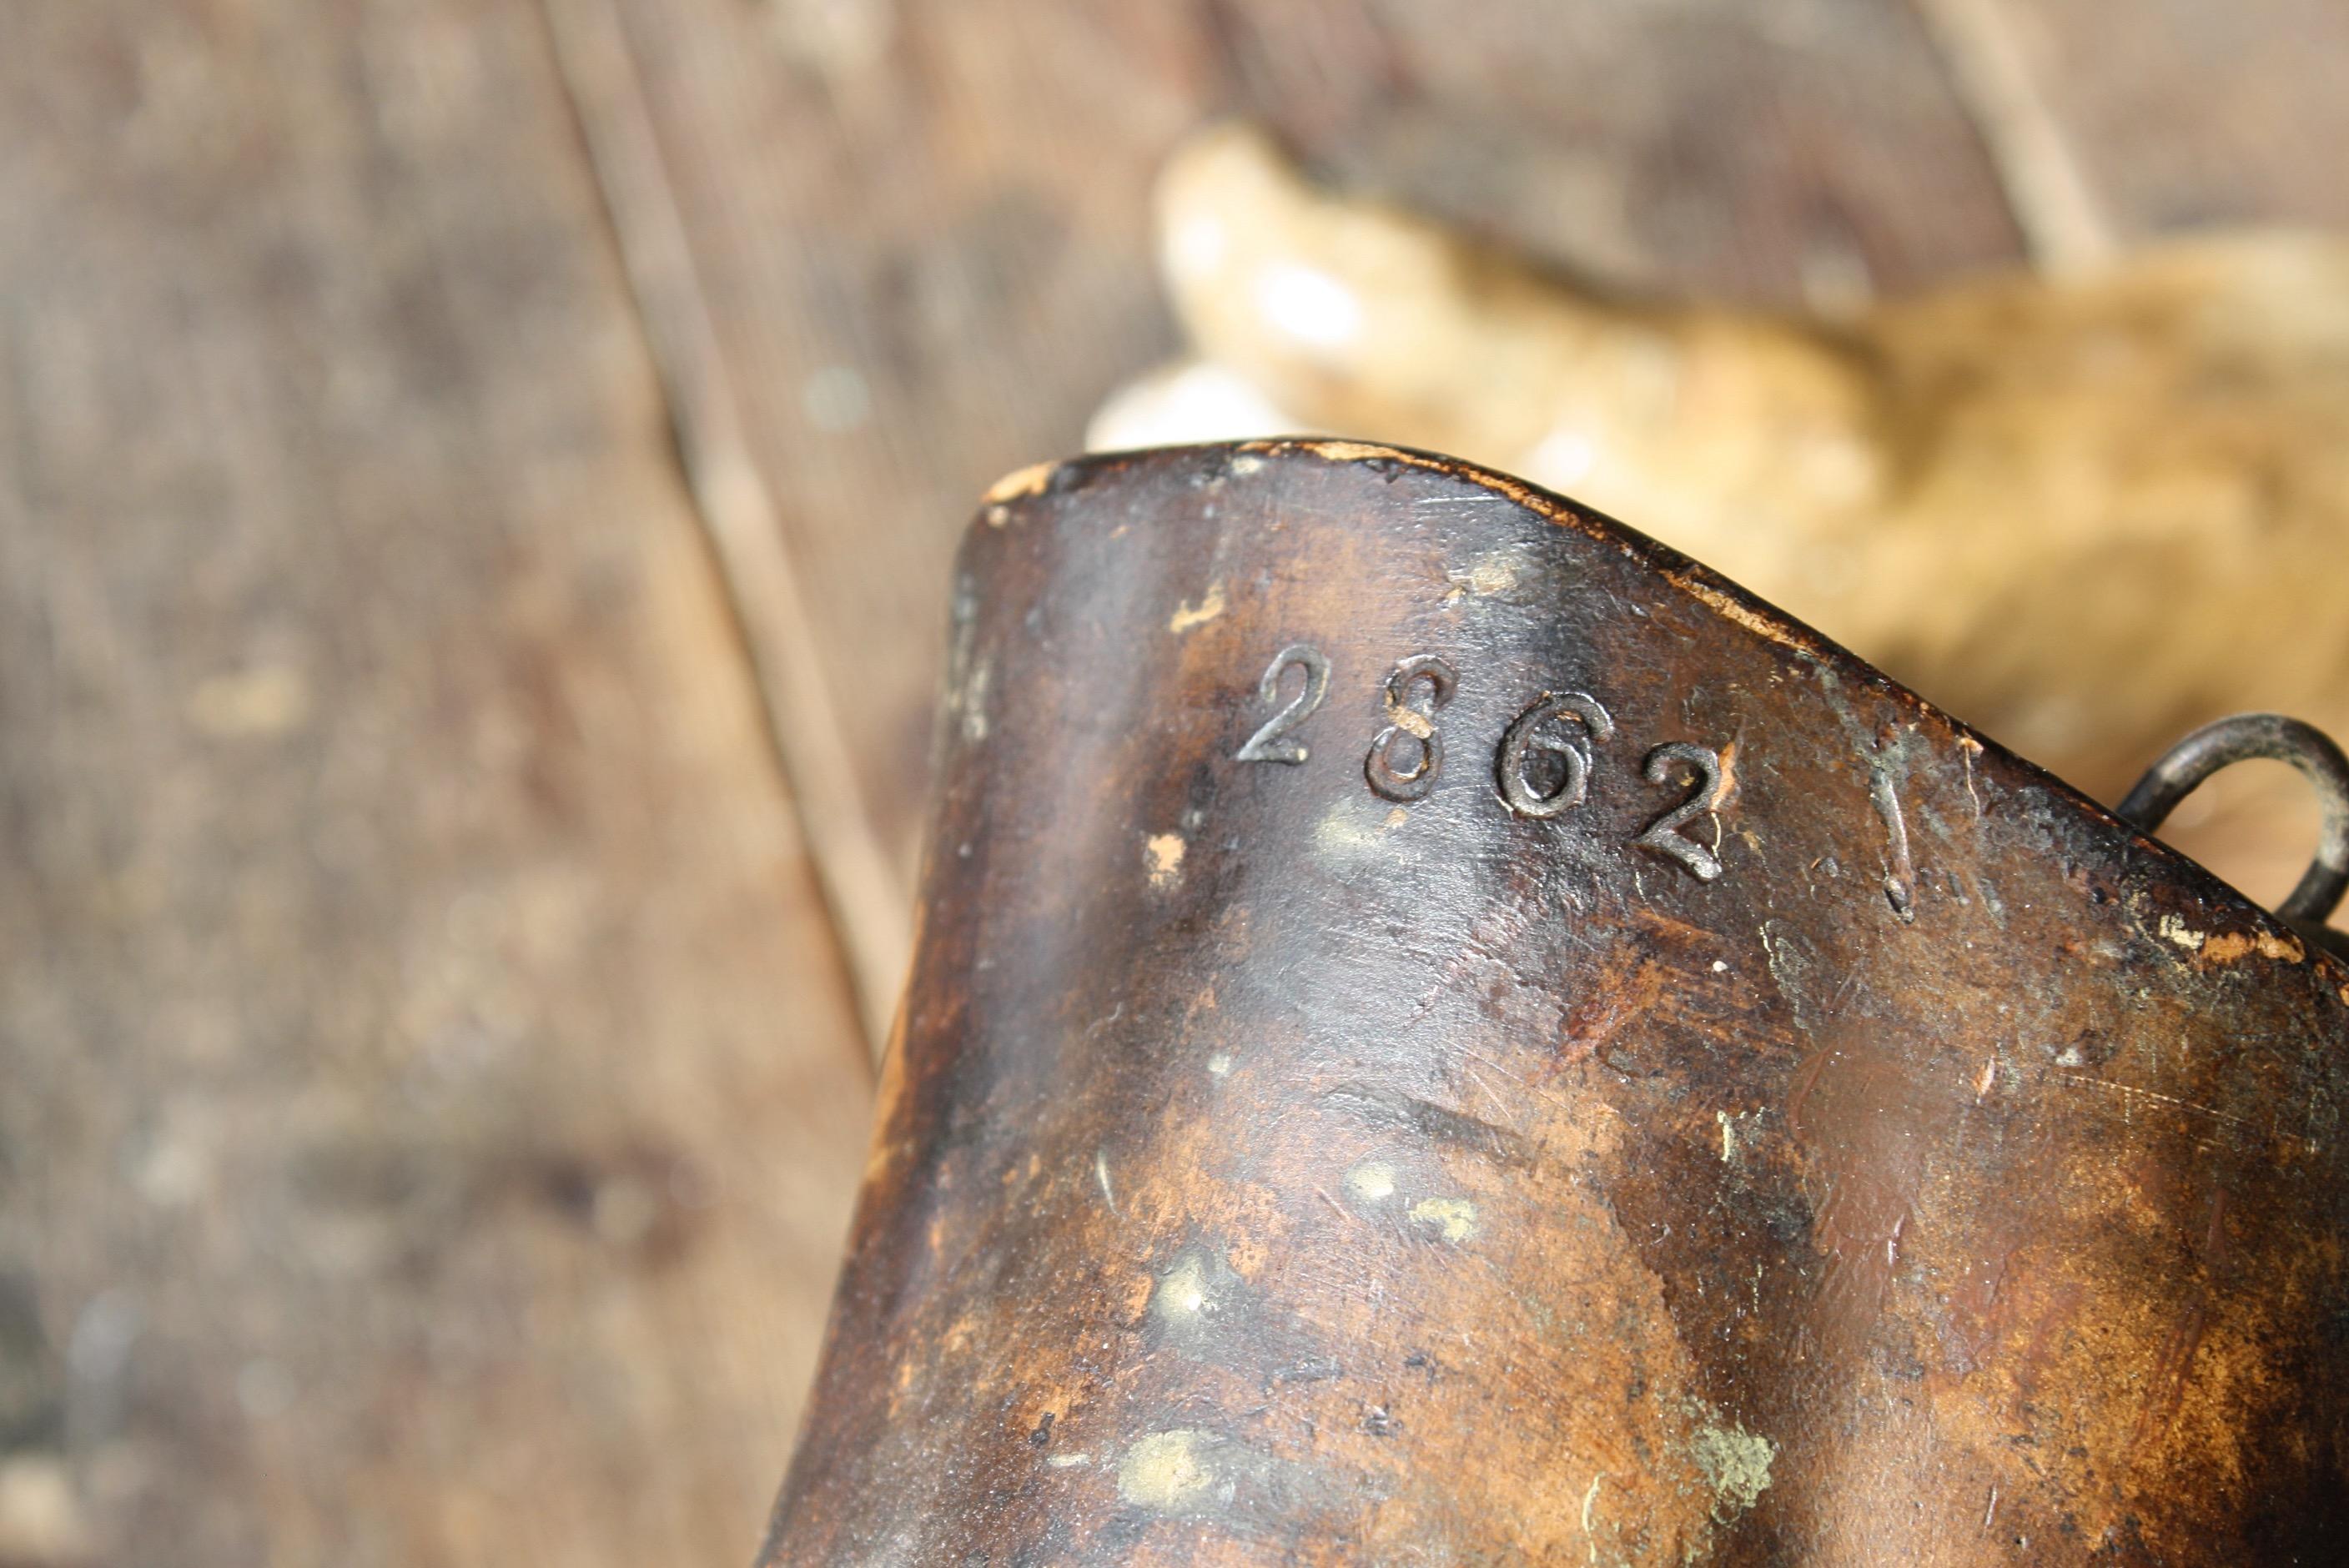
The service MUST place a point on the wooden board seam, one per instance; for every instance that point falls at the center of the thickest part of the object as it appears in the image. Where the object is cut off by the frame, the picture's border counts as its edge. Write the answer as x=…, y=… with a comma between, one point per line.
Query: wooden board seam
x=2063, y=225
x=736, y=509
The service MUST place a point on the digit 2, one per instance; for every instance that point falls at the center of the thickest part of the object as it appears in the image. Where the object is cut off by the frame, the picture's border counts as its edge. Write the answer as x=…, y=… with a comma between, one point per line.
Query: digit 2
x=1662, y=835
x=1272, y=742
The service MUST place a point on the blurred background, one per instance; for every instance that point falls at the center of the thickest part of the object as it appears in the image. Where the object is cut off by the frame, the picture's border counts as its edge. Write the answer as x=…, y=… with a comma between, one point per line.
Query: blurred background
x=477, y=480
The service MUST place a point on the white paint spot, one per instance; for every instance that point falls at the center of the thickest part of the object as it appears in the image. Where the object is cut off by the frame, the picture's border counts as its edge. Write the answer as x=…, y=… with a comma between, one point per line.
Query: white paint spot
x=1188, y=616
x=1728, y=1136
x=1181, y=1296
x=1309, y=304
x=1719, y=967
x=1348, y=831
x=1101, y=1174
x=1163, y=853
x=1736, y=1464
x=1452, y=1218
x=1245, y=465
x=1068, y=1461
x=1018, y=482
x=2176, y=930
x=1220, y=1064
x=974, y=705
x=1373, y=1181
x=1167, y=1470
x=1493, y=574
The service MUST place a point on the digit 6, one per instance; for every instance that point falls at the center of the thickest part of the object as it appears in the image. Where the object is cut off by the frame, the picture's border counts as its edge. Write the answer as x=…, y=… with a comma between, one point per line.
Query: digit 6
x=1525, y=737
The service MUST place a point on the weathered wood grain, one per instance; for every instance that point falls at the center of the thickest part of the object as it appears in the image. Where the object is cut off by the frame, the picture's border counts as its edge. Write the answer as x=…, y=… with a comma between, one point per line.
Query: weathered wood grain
x=736, y=506
x=429, y=1089
x=2187, y=115
x=1805, y=150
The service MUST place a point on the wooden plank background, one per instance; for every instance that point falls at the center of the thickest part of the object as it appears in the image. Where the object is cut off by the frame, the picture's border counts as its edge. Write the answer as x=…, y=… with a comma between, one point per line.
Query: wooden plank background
x=432, y=1092
x=476, y=482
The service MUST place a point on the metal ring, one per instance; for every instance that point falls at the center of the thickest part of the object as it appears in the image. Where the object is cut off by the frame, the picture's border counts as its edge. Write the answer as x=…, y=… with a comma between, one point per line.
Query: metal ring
x=2239, y=739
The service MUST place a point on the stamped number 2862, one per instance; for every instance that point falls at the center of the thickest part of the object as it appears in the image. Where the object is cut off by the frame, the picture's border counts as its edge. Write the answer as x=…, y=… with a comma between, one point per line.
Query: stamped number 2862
x=1541, y=766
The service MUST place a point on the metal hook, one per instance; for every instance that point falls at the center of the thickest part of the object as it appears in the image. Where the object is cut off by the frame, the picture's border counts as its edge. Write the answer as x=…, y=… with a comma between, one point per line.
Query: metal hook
x=2239, y=739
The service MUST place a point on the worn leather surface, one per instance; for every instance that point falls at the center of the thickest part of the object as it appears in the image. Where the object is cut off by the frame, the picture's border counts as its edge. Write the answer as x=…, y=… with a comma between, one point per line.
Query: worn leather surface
x=1327, y=1161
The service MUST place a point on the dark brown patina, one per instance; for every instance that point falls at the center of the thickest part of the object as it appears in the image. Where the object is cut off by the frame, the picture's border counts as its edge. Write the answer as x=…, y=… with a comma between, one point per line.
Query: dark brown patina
x=1610, y=1079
